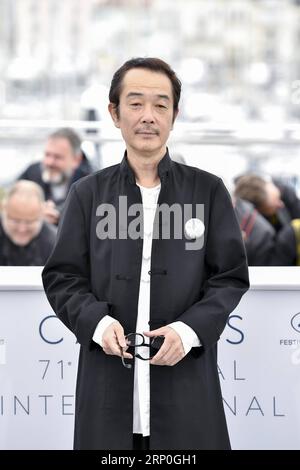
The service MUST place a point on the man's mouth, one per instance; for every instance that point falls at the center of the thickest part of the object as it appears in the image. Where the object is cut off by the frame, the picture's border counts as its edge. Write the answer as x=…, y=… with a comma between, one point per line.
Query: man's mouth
x=145, y=132
x=51, y=175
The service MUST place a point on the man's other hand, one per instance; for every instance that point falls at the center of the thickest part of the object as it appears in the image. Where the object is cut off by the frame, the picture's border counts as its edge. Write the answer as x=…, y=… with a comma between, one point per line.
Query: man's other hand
x=171, y=351
x=114, y=342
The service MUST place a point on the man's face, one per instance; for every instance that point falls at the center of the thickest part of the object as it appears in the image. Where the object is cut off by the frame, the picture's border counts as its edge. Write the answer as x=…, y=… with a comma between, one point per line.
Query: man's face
x=145, y=112
x=22, y=219
x=273, y=201
x=59, y=161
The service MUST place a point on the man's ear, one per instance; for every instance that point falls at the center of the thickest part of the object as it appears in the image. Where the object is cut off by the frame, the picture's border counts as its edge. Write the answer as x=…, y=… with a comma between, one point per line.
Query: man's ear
x=114, y=114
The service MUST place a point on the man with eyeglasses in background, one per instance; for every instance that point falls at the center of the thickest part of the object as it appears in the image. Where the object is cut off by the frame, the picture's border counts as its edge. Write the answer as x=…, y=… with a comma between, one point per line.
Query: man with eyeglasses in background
x=147, y=310
x=25, y=239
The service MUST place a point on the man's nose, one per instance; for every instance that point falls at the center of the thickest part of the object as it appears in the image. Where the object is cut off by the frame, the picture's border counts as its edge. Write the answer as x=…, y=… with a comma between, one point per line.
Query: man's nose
x=280, y=204
x=49, y=160
x=148, y=116
x=22, y=228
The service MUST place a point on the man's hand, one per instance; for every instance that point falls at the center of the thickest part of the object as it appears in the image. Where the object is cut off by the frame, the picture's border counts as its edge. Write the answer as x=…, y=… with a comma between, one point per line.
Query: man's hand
x=114, y=342
x=51, y=214
x=171, y=351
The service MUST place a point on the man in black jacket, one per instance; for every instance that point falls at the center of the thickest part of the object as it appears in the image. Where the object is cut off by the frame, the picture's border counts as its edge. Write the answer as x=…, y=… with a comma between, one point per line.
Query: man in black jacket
x=64, y=163
x=149, y=257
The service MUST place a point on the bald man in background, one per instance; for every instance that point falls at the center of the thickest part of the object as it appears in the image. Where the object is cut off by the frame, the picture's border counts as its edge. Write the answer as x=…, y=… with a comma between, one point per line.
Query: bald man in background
x=25, y=239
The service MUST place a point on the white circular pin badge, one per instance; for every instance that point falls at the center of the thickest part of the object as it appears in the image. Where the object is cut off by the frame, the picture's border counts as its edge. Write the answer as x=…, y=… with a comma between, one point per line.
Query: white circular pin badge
x=194, y=228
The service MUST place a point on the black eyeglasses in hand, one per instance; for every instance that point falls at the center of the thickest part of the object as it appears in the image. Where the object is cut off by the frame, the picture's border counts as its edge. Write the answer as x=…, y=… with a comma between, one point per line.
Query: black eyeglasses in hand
x=137, y=340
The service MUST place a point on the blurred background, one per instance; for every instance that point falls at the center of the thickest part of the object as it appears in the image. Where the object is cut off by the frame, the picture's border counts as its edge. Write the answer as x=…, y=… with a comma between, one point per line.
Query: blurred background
x=238, y=61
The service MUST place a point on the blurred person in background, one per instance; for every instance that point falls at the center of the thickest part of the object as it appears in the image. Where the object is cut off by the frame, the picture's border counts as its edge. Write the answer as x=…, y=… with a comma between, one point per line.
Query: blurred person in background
x=287, y=248
x=280, y=207
x=289, y=198
x=25, y=238
x=258, y=234
x=63, y=163
x=276, y=202
x=104, y=288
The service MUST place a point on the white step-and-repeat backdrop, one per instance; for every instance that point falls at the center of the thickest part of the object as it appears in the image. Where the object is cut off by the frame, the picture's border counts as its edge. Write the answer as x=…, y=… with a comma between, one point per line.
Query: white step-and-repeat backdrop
x=259, y=365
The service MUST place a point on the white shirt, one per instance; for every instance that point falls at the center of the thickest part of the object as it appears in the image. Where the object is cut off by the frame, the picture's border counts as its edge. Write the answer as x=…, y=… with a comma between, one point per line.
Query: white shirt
x=59, y=191
x=141, y=398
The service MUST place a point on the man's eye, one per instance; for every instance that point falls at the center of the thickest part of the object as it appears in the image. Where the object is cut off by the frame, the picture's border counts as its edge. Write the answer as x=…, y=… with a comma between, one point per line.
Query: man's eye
x=135, y=105
x=162, y=106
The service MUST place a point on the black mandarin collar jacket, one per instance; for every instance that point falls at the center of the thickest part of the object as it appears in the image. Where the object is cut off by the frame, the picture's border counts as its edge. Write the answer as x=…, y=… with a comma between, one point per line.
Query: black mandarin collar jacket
x=87, y=278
